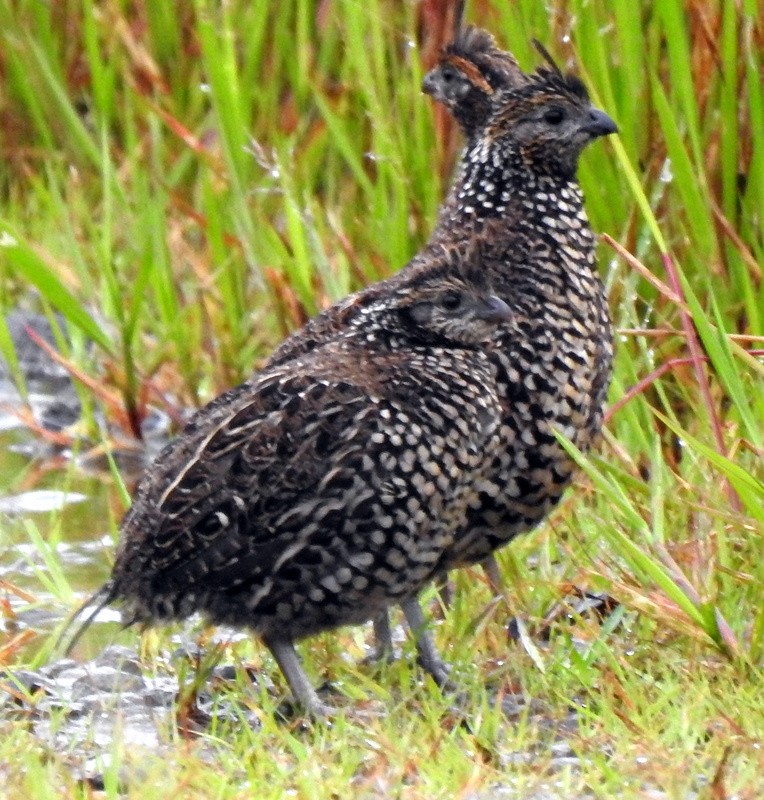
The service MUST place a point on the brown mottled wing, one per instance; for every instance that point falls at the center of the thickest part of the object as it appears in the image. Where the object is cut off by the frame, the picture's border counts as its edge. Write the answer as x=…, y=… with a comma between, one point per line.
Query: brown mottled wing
x=281, y=470
x=259, y=447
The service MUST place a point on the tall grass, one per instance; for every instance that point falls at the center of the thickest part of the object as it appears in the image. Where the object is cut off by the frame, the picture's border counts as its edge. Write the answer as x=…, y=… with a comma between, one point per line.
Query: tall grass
x=187, y=183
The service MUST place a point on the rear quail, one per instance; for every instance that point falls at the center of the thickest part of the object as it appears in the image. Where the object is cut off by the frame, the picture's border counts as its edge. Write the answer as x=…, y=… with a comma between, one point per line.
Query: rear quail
x=323, y=490
x=519, y=197
x=516, y=197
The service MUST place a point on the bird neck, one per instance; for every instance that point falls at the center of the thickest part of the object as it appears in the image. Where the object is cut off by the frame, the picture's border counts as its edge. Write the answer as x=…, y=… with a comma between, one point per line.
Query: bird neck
x=526, y=223
x=494, y=181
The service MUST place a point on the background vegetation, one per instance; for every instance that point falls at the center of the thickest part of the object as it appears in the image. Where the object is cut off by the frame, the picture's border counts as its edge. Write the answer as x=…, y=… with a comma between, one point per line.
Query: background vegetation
x=188, y=182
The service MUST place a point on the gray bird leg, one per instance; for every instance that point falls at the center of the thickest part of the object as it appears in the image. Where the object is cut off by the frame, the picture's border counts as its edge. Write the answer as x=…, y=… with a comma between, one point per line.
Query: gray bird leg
x=383, y=638
x=428, y=654
x=491, y=568
x=289, y=663
x=445, y=590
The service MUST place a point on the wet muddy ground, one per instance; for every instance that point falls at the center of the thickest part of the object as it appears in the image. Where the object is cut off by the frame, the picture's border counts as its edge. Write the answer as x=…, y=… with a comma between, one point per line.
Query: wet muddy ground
x=56, y=536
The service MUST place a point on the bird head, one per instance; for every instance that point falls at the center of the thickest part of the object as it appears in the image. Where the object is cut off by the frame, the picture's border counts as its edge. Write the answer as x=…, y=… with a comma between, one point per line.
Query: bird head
x=470, y=71
x=549, y=120
x=450, y=302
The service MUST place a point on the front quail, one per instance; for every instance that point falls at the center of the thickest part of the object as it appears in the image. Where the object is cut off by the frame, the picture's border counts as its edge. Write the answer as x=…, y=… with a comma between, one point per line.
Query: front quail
x=323, y=490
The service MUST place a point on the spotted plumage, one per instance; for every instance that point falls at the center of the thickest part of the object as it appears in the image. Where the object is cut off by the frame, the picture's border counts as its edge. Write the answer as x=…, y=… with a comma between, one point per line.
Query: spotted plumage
x=519, y=197
x=323, y=490
x=516, y=212
x=516, y=199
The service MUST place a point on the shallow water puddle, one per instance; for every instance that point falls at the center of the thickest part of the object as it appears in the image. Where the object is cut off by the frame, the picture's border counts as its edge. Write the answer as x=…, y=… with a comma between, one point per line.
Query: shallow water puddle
x=39, y=501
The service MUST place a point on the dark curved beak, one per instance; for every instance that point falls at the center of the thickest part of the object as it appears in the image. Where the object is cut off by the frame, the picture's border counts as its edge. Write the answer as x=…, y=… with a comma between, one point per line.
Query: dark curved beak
x=496, y=310
x=599, y=124
x=430, y=83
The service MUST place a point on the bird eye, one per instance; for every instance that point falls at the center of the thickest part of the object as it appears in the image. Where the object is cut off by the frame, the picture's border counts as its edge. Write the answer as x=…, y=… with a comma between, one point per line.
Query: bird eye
x=451, y=301
x=448, y=74
x=554, y=116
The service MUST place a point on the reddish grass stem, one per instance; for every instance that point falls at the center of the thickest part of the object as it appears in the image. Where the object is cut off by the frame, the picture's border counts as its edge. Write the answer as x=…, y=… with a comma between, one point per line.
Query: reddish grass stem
x=697, y=358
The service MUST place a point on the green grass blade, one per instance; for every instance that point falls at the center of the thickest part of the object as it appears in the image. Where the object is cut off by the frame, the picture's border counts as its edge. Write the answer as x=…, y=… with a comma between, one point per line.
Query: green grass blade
x=29, y=266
